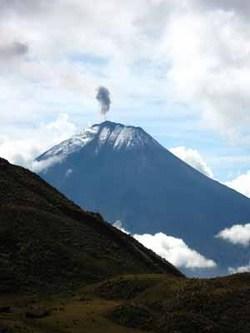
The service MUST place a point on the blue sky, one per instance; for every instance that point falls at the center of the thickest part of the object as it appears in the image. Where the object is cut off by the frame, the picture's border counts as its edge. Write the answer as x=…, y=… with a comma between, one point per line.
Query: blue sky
x=180, y=70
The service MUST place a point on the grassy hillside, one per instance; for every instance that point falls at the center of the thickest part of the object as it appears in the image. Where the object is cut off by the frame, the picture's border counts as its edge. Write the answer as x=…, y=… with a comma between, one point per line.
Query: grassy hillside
x=49, y=244
x=136, y=303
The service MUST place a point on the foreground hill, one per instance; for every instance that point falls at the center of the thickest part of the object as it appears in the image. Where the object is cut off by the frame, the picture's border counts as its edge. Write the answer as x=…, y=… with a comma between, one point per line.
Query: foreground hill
x=123, y=173
x=49, y=244
x=136, y=304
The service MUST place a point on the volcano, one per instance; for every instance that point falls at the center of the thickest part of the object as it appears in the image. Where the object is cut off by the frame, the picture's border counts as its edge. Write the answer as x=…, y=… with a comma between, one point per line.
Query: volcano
x=126, y=175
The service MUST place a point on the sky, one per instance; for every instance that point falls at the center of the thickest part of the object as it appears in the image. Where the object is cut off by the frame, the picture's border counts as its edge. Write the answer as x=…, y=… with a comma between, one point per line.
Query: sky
x=179, y=69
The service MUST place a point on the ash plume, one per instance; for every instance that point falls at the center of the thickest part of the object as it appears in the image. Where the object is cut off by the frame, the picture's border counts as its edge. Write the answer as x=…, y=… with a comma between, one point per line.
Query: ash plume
x=103, y=97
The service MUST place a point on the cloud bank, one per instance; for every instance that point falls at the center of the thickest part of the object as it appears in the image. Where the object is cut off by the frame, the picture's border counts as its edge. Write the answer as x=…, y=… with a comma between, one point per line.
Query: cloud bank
x=150, y=53
x=238, y=234
x=22, y=151
x=241, y=269
x=193, y=158
x=173, y=249
x=241, y=184
x=202, y=56
x=38, y=166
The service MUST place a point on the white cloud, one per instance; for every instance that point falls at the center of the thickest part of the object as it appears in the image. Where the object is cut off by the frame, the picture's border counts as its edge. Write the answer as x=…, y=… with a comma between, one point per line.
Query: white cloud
x=174, y=51
x=173, y=249
x=38, y=166
x=240, y=6
x=237, y=234
x=26, y=146
x=241, y=184
x=202, y=50
x=193, y=158
x=118, y=225
x=241, y=269
x=210, y=66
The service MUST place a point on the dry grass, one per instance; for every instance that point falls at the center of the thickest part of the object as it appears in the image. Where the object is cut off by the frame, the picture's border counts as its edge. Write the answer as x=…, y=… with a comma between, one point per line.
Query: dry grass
x=163, y=304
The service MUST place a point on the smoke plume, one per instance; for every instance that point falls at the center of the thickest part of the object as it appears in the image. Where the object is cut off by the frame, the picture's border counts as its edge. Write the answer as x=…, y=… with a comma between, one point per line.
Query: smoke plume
x=103, y=97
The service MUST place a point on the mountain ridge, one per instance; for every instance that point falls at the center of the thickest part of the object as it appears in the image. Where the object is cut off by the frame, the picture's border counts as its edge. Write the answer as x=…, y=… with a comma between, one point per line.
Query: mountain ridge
x=47, y=243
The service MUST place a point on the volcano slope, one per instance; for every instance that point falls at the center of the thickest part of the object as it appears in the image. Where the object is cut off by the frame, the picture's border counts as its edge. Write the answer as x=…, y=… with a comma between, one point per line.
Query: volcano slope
x=125, y=174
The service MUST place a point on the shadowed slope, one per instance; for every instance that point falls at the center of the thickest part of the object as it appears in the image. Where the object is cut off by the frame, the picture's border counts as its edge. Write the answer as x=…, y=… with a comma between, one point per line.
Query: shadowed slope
x=49, y=243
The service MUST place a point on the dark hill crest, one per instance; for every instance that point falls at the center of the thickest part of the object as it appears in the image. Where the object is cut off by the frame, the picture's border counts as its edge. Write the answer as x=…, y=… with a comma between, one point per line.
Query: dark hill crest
x=48, y=243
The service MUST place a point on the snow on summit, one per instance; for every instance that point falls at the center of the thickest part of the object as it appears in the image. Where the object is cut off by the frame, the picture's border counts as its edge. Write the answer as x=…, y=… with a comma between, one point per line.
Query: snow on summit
x=114, y=135
x=121, y=136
